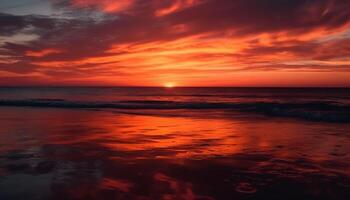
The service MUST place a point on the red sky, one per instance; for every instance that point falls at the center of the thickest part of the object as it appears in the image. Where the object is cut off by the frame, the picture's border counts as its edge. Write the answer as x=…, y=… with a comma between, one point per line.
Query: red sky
x=182, y=42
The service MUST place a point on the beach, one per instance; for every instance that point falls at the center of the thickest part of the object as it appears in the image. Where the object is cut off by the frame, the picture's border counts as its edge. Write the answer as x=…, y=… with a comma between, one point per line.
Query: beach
x=52, y=152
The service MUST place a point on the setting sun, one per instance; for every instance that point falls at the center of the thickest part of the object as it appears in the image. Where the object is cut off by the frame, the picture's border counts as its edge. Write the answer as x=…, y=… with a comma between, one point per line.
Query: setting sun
x=169, y=85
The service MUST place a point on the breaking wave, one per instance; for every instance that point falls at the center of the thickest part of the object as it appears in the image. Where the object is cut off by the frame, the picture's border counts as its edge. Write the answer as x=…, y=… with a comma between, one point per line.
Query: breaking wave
x=314, y=111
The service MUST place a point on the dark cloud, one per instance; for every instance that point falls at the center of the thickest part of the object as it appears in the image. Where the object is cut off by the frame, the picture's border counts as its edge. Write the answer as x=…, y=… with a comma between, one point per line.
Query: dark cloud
x=254, y=16
x=10, y=24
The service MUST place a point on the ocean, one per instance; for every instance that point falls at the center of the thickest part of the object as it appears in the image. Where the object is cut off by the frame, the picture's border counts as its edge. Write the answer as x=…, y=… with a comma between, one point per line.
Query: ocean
x=174, y=143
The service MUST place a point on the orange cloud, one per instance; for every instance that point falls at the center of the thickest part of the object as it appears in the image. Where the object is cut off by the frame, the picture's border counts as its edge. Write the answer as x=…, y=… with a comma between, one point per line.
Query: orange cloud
x=109, y=6
x=43, y=52
x=196, y=59
x=175, y=6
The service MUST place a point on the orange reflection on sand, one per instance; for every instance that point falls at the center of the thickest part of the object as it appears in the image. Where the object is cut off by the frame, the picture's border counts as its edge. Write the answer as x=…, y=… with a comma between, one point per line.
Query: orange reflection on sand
x=174, y=135
x=201, y=137
x=121, y=185
x=182, y=137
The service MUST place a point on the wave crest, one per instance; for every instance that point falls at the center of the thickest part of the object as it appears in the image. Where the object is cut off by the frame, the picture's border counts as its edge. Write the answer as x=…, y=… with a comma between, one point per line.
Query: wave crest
x=314, y=111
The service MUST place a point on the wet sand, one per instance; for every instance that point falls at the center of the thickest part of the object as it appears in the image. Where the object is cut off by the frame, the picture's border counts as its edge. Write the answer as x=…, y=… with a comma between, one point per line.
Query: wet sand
x=48, y=153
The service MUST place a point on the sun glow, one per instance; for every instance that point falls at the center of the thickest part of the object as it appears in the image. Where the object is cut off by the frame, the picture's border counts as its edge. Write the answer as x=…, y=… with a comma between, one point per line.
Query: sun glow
x=169, y=85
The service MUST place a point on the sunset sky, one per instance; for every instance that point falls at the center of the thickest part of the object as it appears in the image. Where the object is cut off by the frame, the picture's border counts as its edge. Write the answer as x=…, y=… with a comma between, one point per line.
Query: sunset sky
x=175, y=42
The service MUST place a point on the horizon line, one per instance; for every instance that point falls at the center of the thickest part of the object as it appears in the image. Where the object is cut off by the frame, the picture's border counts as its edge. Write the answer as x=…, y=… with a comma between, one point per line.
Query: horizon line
x=125, y=86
